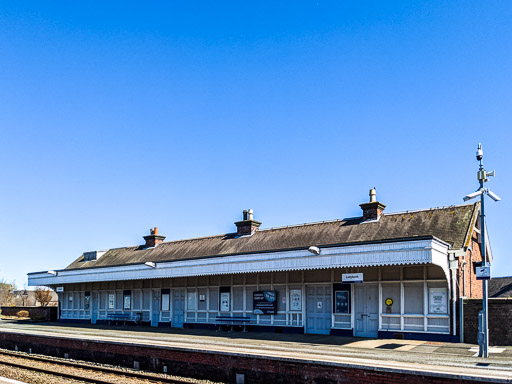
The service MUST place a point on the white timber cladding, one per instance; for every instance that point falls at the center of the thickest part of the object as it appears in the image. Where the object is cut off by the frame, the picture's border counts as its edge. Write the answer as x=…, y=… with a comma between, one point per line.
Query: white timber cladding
x=431, y=251
x=409, y=288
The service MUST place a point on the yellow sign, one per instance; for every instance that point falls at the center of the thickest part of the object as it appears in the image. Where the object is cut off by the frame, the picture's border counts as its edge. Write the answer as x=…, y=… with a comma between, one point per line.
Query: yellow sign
x=389, y=302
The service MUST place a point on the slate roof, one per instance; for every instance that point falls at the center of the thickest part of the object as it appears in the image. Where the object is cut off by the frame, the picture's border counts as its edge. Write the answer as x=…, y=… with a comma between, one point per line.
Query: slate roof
x=500, y=287
x=450, y=224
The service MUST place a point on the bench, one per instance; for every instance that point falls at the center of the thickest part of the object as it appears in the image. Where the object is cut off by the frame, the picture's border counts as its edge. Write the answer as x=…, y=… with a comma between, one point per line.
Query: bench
x=116, y=317
x=232, y=321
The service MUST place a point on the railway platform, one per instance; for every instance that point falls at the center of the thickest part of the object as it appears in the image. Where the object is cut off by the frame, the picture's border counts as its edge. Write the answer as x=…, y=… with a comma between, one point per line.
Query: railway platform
x=264, y=357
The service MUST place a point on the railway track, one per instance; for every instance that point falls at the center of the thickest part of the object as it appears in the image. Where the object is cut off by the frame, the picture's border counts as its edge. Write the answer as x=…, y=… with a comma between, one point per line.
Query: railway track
x=82, y=372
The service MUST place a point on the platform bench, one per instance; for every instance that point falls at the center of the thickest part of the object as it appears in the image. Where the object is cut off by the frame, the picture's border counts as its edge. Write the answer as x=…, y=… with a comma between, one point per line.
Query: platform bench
x=232, y=321
x=116, y=317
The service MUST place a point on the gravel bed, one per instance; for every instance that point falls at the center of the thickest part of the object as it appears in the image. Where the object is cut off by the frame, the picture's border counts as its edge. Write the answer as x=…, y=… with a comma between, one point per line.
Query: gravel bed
x=33, y=377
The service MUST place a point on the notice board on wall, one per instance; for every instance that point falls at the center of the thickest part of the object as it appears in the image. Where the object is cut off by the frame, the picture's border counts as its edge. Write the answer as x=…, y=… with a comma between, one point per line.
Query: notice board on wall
x=264, y=302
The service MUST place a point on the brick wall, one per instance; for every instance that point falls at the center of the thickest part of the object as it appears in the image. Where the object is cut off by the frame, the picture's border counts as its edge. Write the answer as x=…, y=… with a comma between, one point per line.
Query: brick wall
x=37, y=313
x=473, y=287
x=500, y=313
x=220, y=366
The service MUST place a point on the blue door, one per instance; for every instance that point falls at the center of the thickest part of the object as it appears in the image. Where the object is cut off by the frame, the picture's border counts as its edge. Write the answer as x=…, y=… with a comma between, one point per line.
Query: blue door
x=94, y=308
x=155, y=308
x=367, y=310
x=318, y=309
x=178, y=308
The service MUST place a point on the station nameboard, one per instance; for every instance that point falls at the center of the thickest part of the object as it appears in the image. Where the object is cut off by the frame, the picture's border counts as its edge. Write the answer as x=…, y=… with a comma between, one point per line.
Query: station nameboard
x=483, y=273
x=352, y=277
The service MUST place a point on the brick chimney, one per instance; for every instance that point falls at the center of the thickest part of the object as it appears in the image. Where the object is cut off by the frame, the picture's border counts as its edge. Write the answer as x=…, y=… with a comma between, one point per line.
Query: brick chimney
x=372, y=210
x=247, y=226
x=154, y=238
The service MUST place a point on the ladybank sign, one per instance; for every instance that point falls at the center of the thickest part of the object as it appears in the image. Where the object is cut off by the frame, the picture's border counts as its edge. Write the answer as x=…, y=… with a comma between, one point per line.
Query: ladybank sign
x=352, y=277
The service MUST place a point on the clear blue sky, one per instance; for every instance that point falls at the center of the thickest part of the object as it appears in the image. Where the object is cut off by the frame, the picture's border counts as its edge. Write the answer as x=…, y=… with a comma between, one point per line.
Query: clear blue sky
x=119, y=116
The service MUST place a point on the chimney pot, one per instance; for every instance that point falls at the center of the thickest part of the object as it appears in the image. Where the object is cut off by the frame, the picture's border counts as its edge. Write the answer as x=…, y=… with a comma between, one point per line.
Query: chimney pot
x=374, y=209
x=248, y=225
x=153, y=239
x=373, y=195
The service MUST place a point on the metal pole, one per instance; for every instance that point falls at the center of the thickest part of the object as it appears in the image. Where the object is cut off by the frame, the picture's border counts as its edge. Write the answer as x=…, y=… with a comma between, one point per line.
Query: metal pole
x=484, y=348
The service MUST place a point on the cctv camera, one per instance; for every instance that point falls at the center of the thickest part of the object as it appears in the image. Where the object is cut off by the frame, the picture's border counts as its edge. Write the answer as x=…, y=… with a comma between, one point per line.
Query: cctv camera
x=479, y=152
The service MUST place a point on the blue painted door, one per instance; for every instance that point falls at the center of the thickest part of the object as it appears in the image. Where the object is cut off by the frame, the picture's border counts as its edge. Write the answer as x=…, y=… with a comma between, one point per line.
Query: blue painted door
x=366, y=316
x=178, y=308
x=318, y=309
x=94, y=308
x=155, y=307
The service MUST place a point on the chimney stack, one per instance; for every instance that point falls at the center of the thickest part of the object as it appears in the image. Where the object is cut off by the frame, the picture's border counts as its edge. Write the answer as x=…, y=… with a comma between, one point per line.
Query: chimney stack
x=248, y=225
x=153, y=239
x=372, y=210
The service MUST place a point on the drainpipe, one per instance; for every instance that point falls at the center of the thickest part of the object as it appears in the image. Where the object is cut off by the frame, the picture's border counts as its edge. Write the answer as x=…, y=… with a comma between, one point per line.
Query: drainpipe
x=453, y=270
x=464, y=297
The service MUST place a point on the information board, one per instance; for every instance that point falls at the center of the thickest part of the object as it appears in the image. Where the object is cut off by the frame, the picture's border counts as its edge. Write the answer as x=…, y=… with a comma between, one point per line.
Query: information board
x=342, y=301
x=264, y=302
x=438, y=300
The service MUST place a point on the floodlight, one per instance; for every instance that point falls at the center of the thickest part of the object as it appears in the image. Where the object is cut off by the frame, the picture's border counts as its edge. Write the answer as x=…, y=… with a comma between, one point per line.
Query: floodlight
x=314, y=250
x=150, y=264
x=52, y=273
x=473, y=195
x=492, y=195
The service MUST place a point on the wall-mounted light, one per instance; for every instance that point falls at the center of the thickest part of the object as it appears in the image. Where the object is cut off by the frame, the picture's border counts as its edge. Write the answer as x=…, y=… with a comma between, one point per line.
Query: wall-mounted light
x=150, y=264
x=54, y=273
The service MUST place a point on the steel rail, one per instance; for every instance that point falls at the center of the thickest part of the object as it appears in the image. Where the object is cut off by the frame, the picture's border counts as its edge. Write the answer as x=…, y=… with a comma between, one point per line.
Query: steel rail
x=99, y=369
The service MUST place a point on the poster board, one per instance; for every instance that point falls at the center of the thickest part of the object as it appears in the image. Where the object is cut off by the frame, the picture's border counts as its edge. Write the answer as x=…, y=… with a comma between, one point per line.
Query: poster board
x=264, y=302
x=438, y=300
x=111, y=300
x=225, y=301
x=342, y=301
x=295, y=299
x=127, y=302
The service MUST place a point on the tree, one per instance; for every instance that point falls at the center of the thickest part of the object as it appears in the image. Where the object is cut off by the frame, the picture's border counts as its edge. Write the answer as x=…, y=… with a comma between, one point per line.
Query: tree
x=7, y=296
x=43, y=295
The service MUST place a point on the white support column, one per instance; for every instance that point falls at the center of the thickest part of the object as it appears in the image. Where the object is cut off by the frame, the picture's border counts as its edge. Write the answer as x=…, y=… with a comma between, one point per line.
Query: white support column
x=332, y=298
x=289, y=319
x=380, y=298
x=271, y=288
x=402, y=296
x=425, y=299
x=257, y=288
x=303, y=302
x=352, y=306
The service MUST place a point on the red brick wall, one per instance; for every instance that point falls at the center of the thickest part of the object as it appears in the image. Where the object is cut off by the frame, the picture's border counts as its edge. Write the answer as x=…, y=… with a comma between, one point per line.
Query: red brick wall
x=37, y=313
x=219, y=366
x=473, y=286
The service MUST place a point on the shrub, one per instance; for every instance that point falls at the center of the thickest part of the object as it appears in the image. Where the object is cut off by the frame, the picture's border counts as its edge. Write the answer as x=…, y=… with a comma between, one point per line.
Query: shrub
x=22, y=313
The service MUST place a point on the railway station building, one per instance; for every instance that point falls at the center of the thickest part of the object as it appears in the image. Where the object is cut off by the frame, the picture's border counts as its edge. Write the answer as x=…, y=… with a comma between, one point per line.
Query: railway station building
x=380, y=274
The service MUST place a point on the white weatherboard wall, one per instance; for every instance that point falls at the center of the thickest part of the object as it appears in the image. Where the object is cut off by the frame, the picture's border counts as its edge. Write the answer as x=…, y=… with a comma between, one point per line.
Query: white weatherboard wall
x=431, y=251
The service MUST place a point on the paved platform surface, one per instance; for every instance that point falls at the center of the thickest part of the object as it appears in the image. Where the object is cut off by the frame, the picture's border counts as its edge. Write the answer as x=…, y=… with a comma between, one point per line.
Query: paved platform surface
x=403, y=355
